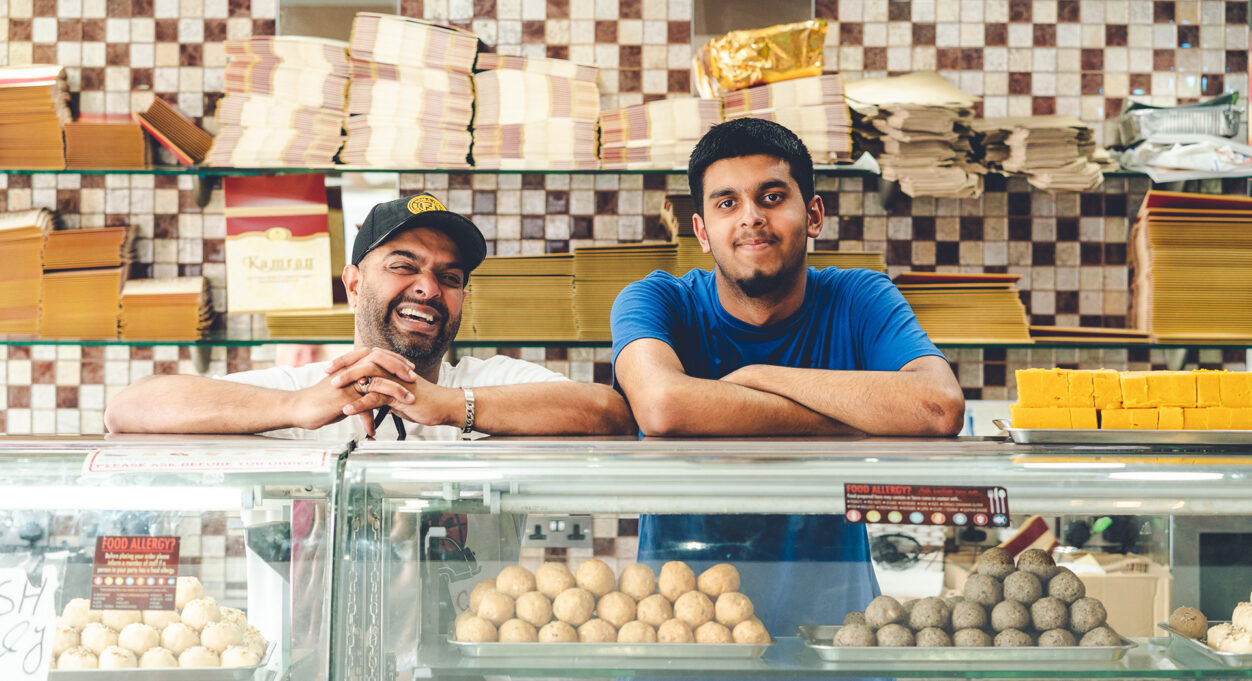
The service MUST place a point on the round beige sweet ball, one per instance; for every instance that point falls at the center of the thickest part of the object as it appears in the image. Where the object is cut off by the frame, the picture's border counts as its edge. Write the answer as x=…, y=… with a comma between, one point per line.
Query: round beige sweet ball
x=637, y=581
x=597, y=631
x=574, y=605
x=654, y=610
x=518, y=631
x=694, y=608
x=595, y=576
x=712, y=632
x=635, y=631
x=732, y=608
x=553, y=578
x=557, y=632
x=118, y=620
x=475, y=630
x=138, y=638
x=719, y=579
x=750, y=631
x=496, y=607
x=476, y=595
x=676, y=579
x=616, y=608
x=675, y=631
x=514, y=581
x=534, y=607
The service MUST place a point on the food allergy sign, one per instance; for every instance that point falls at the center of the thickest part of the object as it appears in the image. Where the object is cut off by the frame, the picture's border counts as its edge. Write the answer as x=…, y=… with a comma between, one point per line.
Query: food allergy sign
x=926, y=505
x=27, y=621
x=134, y=573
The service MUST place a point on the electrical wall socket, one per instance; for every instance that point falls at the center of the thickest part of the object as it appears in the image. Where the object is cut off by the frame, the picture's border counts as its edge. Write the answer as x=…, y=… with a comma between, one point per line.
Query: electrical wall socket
x=564, y=531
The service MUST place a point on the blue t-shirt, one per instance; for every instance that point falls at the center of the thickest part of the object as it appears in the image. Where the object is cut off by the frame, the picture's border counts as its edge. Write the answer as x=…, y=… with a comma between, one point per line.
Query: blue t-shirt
x=797, y=569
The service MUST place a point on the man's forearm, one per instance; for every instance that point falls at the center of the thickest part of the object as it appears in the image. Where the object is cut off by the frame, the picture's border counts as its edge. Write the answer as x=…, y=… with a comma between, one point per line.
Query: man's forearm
x=703, y=407
x=192, y=404
x=551, y=408
x=876, y=402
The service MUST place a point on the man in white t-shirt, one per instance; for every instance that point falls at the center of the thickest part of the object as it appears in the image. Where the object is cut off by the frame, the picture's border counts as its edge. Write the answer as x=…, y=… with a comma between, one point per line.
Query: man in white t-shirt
x=406, y=284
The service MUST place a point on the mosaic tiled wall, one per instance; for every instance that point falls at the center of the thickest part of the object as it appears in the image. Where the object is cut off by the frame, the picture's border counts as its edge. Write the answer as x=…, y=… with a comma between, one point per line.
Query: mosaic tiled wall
x=1042, y=56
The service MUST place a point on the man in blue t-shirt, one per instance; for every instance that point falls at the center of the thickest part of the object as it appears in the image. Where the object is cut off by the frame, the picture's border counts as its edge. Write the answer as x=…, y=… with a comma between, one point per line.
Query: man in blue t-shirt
x=765, y=345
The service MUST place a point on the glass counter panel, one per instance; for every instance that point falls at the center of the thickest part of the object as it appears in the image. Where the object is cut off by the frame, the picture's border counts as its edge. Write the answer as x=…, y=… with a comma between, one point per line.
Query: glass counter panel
x=426, y=525
x=253, y=546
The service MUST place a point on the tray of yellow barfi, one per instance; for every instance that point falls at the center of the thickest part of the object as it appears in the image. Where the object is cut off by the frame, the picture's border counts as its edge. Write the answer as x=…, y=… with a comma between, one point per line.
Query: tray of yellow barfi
x=1069, y=406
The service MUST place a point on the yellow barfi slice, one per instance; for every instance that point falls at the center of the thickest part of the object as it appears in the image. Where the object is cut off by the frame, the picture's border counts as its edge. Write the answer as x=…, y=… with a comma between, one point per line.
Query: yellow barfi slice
x=1236, y=389
x=1240, y=418
x=1039, y=417
x=1172, y=388
x=1169, y=418
x=1135, y=390
x=1195, y=419
x=1083, y=417
x=1107, y=389
x=1081, y=390
x=1208, y=388
x=1041, y=387
x=1115, y=419
x=1219, y=418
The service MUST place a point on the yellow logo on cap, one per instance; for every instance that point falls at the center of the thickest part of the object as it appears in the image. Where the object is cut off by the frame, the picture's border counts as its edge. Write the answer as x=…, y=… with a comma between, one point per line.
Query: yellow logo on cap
x=423, y=203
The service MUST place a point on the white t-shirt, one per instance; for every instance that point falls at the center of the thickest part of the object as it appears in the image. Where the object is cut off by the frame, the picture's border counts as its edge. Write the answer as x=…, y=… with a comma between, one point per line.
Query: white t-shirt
x=470, y=372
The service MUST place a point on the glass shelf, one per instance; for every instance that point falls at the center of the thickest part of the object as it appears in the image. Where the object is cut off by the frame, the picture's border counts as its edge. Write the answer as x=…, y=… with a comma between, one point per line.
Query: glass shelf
x=214, y=171
x=789, y=657
x=244, y=339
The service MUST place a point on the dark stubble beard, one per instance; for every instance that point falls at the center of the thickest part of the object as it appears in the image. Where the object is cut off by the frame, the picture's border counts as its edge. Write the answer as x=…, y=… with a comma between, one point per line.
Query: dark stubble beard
x=762, y=285
x=374, y=324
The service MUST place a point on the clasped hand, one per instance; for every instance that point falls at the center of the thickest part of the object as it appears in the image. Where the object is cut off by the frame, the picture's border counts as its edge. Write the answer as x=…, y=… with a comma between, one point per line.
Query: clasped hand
x=392, y=382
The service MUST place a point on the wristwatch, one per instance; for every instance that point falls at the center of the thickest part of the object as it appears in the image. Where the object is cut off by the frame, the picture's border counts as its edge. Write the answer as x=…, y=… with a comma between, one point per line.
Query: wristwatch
x=469, y=411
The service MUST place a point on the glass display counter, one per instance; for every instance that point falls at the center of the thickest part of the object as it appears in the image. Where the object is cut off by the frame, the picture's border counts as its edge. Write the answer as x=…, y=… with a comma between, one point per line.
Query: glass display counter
x=244, y=524
x=423, y=525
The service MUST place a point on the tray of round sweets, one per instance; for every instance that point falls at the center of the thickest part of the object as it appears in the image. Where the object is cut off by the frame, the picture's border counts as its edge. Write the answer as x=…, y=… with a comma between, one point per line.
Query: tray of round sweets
x=1201, y=647
x=669, y=651
x=821, y=639
x=1081, y=436
x=164, y=673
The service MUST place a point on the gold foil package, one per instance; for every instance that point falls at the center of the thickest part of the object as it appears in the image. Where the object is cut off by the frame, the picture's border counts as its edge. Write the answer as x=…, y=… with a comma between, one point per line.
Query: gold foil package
x=742, y=59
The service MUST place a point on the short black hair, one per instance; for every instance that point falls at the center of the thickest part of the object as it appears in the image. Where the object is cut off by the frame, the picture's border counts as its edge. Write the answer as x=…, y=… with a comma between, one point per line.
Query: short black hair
x=748, y=137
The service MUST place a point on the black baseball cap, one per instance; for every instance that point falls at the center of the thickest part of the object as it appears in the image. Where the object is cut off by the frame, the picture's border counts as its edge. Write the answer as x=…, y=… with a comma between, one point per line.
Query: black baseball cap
x=424, y=210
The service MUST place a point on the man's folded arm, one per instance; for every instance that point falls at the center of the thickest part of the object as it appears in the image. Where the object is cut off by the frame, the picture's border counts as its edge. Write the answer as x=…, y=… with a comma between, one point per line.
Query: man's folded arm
x=551, y=408
x=667, y=402
x=922, y=398
x=194, y=404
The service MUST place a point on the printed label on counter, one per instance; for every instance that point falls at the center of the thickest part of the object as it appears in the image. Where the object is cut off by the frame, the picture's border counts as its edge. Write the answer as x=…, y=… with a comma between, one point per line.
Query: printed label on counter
x=926, y=505
x=253, y=461
x=134, y=573
x=27, y=622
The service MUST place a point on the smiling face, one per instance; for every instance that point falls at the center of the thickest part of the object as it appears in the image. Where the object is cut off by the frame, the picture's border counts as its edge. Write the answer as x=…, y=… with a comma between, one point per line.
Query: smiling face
x=407, y=294
x=756, y=224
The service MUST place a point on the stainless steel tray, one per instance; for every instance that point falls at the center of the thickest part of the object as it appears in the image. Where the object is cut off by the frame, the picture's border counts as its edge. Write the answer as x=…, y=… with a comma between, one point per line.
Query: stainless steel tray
x=163, y=674
x=669, y=651
x=1048, y=436
x=1225, y=659
x=821, y=638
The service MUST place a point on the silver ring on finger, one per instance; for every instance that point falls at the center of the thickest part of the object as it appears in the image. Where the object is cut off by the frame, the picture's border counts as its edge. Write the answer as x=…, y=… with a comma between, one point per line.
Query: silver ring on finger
x=363, y=384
